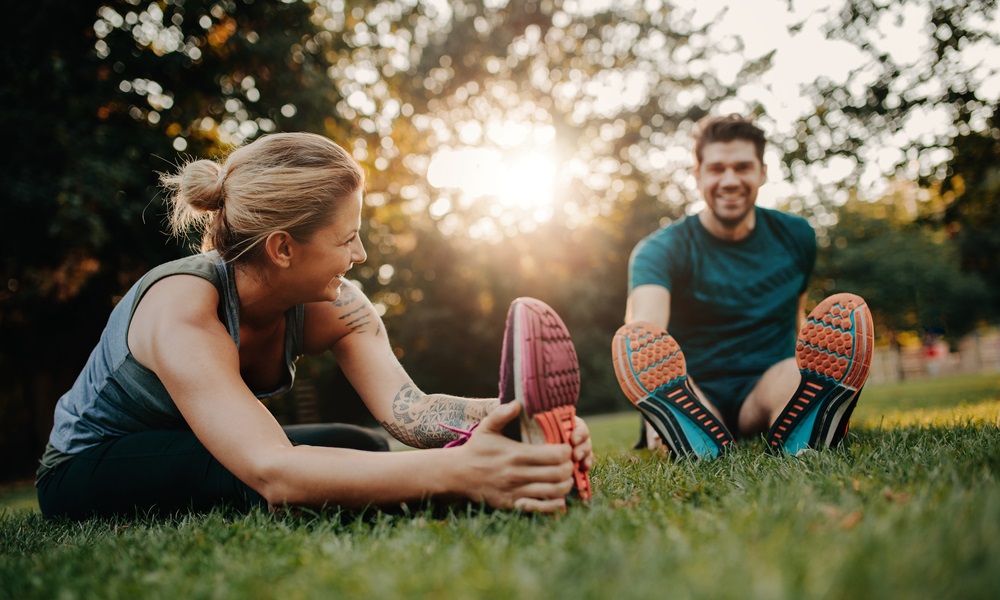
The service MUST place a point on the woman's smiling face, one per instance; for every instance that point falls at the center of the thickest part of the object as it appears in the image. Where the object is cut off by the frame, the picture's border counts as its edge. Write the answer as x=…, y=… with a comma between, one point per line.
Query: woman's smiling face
x=331, y=252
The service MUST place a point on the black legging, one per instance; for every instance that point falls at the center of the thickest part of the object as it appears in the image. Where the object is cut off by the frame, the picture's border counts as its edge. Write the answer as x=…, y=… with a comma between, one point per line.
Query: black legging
x=165, y=472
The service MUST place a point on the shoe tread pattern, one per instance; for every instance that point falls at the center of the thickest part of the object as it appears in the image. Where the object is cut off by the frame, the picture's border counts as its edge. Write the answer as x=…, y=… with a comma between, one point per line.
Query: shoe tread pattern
x=550, y=377
x=550, y=364
x=651, y=370
x=833, y=351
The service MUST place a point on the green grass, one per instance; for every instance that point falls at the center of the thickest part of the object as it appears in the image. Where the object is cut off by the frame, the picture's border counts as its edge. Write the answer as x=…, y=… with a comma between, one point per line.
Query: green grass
x=911, y=509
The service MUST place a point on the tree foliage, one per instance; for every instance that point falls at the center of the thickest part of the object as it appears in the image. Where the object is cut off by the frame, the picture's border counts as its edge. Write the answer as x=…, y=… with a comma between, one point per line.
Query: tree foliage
x=926, y=114
x=107, y=95
x=901, y=109
x=971, y=214
x=907, y=272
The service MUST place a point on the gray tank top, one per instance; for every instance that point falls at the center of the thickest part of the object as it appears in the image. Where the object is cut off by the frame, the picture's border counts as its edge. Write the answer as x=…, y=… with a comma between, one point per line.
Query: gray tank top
x=114, y=395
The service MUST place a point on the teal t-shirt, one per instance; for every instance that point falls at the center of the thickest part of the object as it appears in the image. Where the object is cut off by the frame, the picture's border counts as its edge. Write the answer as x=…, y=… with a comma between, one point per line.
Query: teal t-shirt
x=733, y=305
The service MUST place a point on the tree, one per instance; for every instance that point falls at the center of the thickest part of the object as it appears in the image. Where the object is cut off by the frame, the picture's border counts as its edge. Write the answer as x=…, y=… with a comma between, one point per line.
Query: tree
x=107, y=94
x=903, y=107
x=907, y=272
x=925, y=113
x=971, y=213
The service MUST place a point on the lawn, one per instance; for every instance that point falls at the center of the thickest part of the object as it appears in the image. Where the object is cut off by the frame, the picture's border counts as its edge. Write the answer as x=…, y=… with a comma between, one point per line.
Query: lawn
x=909, y=509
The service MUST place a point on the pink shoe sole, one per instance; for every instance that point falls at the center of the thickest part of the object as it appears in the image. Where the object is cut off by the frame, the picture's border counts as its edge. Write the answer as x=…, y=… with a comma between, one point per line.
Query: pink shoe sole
x=539, y=366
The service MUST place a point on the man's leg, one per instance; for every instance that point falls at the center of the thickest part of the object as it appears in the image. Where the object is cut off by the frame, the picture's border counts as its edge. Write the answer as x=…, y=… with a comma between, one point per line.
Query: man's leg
x=768, y=398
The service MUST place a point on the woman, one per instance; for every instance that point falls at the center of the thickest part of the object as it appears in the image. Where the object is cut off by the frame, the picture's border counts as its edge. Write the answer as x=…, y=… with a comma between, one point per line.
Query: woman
x=166, y=415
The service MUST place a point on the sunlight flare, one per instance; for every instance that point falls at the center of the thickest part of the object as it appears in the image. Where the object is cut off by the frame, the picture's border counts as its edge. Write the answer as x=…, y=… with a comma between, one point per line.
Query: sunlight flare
x=520, y=187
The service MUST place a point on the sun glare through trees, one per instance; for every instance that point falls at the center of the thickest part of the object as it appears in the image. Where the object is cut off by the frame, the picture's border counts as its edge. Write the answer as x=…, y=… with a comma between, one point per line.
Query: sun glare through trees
x=519, y=188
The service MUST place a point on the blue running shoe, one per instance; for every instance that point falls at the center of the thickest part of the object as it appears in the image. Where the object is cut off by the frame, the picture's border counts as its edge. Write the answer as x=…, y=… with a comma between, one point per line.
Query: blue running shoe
x=652, y=372
x=834, y=354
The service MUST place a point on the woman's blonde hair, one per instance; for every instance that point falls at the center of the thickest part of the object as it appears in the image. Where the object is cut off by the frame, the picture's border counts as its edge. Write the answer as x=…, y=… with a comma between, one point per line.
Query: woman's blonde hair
x=295, y=182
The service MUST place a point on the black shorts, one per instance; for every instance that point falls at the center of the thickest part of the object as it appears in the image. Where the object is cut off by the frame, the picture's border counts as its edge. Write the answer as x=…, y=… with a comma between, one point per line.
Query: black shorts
x=728, y=395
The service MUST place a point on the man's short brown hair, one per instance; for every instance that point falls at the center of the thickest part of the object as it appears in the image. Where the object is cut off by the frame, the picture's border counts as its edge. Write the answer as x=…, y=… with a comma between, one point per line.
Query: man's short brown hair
x=726, y=129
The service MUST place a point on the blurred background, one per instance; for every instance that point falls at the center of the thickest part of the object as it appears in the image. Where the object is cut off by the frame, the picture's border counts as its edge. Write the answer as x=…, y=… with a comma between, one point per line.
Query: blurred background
x=513, y=148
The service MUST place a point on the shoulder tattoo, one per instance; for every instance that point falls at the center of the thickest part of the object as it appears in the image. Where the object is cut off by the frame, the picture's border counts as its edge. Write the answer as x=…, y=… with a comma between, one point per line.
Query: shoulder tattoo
x=357, y=316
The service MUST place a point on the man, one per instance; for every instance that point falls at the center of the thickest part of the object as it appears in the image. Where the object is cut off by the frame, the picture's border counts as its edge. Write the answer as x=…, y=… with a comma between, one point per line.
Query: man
x=731, y=284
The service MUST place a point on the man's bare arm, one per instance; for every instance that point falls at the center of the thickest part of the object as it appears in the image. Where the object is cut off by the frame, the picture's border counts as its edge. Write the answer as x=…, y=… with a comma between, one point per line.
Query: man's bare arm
x=649, y=303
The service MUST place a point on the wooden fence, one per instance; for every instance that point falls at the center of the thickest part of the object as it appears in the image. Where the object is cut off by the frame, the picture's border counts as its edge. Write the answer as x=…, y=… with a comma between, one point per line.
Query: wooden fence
x=976, y=353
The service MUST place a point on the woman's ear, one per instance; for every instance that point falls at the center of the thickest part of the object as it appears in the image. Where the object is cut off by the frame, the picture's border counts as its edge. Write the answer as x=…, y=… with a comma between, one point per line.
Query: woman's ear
x=280, y=248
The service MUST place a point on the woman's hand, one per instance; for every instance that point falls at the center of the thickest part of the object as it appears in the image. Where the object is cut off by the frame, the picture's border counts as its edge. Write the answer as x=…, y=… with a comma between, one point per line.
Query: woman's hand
x=507, y=474
x=583, y=447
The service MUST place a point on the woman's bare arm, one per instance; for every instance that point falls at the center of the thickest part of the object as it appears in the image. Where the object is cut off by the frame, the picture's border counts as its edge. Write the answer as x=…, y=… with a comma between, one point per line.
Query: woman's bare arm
x=176, y=333
x=353, y=330
x=649, y=303
x=417, y=418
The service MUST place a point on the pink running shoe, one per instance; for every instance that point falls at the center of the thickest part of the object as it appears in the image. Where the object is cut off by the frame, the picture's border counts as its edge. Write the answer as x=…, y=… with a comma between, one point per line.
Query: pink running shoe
x=539, y=366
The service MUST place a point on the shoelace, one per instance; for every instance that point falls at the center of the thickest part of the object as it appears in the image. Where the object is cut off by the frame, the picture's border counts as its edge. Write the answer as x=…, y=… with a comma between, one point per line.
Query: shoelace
x=463, y=435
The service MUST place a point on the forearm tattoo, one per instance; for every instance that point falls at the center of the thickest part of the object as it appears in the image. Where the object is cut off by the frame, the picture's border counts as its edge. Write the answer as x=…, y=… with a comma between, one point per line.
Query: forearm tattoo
x=357, y=317
x=418, y=417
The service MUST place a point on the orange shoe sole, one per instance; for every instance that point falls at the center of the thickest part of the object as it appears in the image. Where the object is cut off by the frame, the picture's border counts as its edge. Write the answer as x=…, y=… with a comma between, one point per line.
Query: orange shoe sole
x=834, y=353
x=652, y=372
